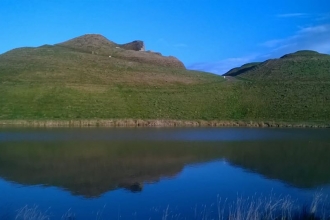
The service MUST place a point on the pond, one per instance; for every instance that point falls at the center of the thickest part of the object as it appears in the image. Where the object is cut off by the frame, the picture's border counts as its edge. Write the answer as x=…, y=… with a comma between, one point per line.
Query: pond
x=164, y=173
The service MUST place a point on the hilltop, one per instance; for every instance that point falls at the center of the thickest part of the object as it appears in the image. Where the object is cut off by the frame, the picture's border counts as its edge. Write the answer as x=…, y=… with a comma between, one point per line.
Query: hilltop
x=132, y=51
x=301, y=65
x=93, y=59
x=92, y=78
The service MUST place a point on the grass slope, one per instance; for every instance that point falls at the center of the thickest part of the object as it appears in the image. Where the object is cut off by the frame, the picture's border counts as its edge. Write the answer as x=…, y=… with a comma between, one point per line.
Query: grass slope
x=301, y=66
x=239, y=70
x=78, y=80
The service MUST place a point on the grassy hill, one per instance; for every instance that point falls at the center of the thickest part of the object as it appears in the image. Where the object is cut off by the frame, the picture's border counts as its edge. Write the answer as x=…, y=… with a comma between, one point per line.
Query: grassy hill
x=90, y=77
x=86, y=60
x=294, y=86
x=302, y=66
x=239, y=70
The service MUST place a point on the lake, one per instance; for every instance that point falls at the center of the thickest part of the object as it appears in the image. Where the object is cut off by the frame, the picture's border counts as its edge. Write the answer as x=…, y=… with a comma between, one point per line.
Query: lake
x=159, y=173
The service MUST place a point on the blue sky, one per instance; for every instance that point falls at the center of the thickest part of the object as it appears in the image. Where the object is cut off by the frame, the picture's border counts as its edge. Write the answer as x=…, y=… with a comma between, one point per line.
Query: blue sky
x=209, y=35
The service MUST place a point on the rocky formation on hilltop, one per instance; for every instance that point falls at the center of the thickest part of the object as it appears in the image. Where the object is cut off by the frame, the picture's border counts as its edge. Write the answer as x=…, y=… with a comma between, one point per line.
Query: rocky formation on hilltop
x=136, y=45
x=133, y=51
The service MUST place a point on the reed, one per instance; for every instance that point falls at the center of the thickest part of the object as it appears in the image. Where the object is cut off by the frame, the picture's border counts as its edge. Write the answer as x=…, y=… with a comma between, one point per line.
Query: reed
x=31, y=213
x=251, y=208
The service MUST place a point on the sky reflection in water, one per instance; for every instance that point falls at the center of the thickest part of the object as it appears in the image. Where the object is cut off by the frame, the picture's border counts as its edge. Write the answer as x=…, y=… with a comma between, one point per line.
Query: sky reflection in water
x=91, y=170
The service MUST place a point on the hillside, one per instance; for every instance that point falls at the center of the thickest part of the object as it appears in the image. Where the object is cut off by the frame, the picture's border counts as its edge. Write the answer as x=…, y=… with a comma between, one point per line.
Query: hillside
x=133, y=51
x=86, y=60
x=239, y=70
x=91, y=77
x=301, y=65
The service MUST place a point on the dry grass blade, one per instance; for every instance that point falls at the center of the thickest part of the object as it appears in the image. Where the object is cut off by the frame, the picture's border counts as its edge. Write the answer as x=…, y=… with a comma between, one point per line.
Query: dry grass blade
x=31, y=213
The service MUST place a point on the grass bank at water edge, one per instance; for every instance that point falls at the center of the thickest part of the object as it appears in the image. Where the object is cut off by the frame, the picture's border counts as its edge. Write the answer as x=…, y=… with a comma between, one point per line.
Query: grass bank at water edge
x=158, y=123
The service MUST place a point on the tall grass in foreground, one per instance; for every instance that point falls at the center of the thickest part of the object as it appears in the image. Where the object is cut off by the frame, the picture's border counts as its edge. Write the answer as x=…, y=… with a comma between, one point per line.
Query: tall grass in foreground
x=273, y=208
x=251, y=208
x=31, y=213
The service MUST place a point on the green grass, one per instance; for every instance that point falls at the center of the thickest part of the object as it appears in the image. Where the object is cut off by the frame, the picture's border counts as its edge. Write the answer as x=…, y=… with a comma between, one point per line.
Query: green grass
x=239, y=70
x=306, y=102
x=63, y=83
x=307, y=66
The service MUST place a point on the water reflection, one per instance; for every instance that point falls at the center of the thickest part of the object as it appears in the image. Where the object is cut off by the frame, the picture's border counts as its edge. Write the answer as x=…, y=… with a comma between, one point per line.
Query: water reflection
x=303, y=164
x=92, y=162
x=92, y=168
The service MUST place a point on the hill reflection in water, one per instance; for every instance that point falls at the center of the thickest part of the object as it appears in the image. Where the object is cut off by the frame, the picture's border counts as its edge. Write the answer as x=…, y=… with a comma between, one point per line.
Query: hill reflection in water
x=93, y=167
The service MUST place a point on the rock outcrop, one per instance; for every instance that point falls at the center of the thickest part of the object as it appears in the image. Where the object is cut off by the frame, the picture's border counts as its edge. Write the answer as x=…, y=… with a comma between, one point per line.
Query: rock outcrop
x=136, y=45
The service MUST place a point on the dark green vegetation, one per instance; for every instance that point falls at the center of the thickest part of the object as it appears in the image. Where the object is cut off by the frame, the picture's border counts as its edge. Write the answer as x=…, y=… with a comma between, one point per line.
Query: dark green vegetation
x=303, y=65
x=78, y=80
x=80, y=167
x=239, y=70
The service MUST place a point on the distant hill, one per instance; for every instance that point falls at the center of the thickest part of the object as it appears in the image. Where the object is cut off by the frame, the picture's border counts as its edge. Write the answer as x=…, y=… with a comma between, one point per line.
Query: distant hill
x=301, y=65
x=239, y=70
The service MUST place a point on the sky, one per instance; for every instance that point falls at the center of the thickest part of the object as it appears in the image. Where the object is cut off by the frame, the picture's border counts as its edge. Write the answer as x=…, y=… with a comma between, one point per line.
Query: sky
x=207, y=35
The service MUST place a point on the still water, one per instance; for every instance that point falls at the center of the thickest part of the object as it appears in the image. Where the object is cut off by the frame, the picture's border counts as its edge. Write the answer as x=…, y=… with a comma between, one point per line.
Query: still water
x=169, y=173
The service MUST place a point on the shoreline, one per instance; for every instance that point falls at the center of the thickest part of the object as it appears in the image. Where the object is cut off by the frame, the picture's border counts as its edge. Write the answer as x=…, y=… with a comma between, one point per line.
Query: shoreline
x=159, y=123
